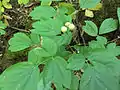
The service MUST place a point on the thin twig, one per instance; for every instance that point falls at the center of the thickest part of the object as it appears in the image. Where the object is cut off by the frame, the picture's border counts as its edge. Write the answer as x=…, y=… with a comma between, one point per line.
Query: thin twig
x=22, y=30
x=114, y=40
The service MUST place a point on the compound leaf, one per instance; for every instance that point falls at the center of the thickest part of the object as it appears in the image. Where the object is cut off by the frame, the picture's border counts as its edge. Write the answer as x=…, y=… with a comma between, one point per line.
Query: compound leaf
x=21, y=76
x=98, y=78
x=100, y=43
x=19, y=42
x=90, y=28
x=64, y=39
x=43, y=12
x=68, y=6
x=76, y=62
x=49, y=46
x=97, y=7
x=56, y=68
x=50, y=27
x=36, y=55
x=108, y=25
x=88, y=3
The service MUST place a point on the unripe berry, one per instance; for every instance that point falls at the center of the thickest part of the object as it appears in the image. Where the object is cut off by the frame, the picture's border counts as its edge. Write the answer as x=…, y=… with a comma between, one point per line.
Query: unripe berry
x=67, y=24
x=63, y=29
x=71, y=27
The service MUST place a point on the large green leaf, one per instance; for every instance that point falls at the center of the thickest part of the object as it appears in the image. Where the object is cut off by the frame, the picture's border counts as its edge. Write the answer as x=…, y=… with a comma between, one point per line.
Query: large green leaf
x=60, y=15
x=98, y=78
x=88, y=3
x=19, y=42
x=36, y=55
x=90, y=28
x=43, y=12
x=49, y=46
x=76, y=62
x=100, y=43
x=113, y=49
x=57, y=72
x=108, y=25
x=21, y=76
x=41, y=86
x=85, y=50
x=47, y=28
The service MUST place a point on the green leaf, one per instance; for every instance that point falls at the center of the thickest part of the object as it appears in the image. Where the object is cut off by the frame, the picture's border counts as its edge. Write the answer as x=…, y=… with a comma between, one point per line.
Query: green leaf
x=74, y=83
x=98, y=78
x=64, y=39
x=2, y=25
x=49, y=46
x=90, y=28
x=23, y=1
x=76, y=62
x=36, y=56
x=50, y=27
x=118, y=14
x=113, y=49
x=49, y=0
x=37, y=53
x=68, y=6
x=100, y=43
x=19, y=42
x=61, y=15
x=56, y=69
x=63, y=52
x=6, y=4
x=85, y=50
x=41, y=85
x=46, y=3
x=21, y=76
x=43, y=12
x=35, y=38
x=88, y=3
x=109, y=61
x=108, y=25
x=2, y=32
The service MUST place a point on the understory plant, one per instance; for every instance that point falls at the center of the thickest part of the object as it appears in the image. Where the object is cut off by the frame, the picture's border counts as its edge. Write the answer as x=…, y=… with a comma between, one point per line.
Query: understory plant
x=51, y=66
